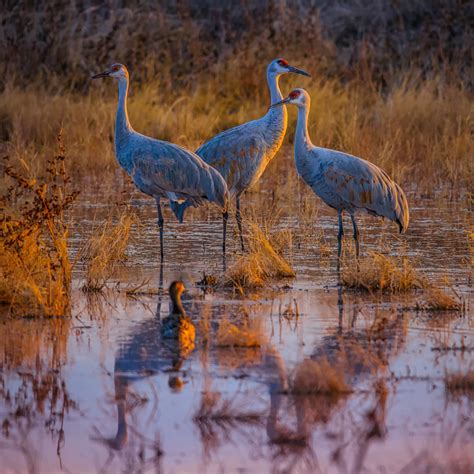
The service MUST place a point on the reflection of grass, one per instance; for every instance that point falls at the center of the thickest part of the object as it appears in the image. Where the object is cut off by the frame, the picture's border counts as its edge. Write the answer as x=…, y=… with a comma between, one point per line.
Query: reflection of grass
x=261, y=263
x=215, y=418
x=35, y=267
x=379, y=272
x=105, y=250
x=249, y=334
x=436, y=299
x=460, y=383
x=319, y=377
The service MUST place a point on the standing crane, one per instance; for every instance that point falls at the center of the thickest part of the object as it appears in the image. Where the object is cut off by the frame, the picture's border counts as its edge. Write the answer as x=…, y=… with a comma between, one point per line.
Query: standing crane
x=158, y=168
x=344, y=182
x=242, y=153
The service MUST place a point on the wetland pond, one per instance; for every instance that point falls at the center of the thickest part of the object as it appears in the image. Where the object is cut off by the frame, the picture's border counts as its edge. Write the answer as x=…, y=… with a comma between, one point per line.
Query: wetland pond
x=100, y=392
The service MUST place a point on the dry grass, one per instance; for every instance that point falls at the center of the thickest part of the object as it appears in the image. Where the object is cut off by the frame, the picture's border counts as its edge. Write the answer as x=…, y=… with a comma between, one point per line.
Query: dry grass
x=105, y=251
x=379, y=272
x=420, y=132
x=35, y=267
x=258, y=265
x=248, y=334
x=319, y=377
x=460, y=383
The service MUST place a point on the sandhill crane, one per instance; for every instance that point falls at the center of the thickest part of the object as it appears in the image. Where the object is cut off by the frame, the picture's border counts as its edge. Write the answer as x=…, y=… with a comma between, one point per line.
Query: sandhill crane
x=344, y=182
x=158, y=168
x=242, y=153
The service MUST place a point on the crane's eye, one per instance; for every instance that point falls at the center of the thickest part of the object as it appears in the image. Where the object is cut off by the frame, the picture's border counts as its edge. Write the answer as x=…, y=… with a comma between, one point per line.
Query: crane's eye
x=294, y=94
x=282, y=62
x=115, y=68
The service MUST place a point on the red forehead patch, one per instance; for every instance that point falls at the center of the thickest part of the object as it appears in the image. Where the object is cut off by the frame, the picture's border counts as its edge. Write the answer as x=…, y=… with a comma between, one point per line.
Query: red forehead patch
x=282, y=62
x=294, y=94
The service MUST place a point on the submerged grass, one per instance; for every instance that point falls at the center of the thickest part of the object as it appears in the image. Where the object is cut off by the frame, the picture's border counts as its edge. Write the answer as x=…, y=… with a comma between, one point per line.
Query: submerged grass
x=35, y=266
x=377, y=272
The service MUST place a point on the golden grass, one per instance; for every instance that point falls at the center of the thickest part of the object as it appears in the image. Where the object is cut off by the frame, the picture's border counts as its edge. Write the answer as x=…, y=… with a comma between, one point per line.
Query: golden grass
x=259, y=264
x=379, y=272
x=105, y=251
x=419, y=131
x=248, y=334
x=318, y=377
x=35, y=275
x=460, y=383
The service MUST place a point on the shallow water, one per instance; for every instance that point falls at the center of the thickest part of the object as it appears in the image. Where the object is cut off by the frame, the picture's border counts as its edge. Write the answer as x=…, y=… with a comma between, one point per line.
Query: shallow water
x=103, y=393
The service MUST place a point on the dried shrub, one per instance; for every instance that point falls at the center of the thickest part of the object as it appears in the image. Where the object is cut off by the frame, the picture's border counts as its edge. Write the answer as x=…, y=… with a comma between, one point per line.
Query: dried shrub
x=379, y=272
x=105, y=251
x=36, y=270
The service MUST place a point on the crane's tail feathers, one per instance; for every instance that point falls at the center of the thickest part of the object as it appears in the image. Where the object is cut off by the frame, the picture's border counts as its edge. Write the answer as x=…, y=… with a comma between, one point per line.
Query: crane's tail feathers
x=403, y=217
x=179, y=208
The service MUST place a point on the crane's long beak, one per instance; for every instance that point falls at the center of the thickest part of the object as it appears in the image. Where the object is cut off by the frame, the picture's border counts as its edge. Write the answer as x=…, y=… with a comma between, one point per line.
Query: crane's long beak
x=101, y=74
x=295, y=70
x=276, y=104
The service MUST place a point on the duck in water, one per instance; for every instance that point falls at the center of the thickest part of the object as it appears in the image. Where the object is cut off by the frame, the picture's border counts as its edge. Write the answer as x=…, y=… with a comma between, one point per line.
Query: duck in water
x=178, y=326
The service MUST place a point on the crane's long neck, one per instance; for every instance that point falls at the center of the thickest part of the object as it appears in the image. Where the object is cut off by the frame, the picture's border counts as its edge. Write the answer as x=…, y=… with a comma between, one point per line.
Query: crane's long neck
x=277, y=116
x=302, y=139
x=274, y=86
x=123, y=129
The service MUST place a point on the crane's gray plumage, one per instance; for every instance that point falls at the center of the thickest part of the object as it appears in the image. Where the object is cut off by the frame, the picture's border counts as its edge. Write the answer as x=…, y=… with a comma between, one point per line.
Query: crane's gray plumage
x=162, y=169
x=242, y=153
x=344, y=182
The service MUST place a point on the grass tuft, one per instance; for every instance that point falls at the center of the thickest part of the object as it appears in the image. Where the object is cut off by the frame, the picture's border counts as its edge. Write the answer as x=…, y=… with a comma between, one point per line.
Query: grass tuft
x=260, y=264
x=105, y=251
x=379, y=272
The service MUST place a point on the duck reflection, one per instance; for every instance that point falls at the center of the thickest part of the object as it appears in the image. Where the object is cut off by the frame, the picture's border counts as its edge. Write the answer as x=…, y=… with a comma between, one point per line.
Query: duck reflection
x=154, y=346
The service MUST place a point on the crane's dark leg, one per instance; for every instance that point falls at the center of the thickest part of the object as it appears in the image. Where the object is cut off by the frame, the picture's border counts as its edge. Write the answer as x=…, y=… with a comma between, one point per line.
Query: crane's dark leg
x=340, y=235
x=225, y=218
x=160, y=225
x=238, y=217
x=356, y=235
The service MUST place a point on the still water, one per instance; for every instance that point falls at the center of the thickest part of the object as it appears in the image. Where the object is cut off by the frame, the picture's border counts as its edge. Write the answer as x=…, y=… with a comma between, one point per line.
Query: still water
x=101, y=392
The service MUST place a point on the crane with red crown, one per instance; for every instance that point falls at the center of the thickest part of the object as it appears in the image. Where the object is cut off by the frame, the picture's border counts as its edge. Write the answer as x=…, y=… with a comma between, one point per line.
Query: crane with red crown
x=242, y=153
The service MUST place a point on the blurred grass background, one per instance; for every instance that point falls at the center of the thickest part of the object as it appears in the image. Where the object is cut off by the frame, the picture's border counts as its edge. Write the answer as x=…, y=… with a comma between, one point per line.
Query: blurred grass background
x=392, y=80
